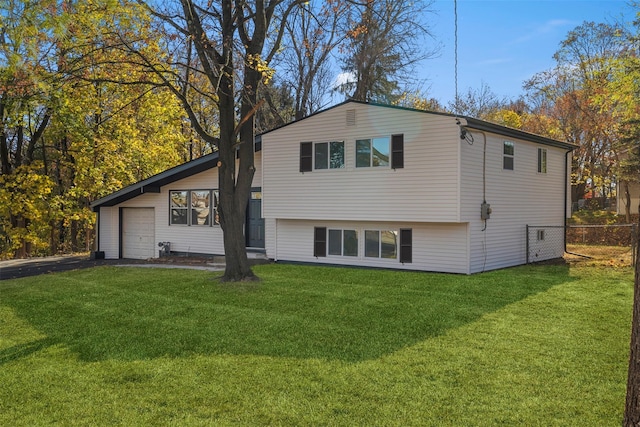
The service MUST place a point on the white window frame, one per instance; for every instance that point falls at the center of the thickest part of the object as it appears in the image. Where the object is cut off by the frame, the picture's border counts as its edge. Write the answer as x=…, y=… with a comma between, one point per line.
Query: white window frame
x=342, y=242
x=329, y=166
x=542, y=160
x=372, y=143
x=212, y=217
x=510, y=156
x=380, y=239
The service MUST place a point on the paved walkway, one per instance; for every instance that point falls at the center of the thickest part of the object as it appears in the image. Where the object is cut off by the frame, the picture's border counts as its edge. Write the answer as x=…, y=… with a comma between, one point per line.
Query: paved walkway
x=15, y=268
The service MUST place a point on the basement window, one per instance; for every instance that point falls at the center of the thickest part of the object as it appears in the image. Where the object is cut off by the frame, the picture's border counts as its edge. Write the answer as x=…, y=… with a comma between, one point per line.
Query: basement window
x=381, y=244
x=343, y=242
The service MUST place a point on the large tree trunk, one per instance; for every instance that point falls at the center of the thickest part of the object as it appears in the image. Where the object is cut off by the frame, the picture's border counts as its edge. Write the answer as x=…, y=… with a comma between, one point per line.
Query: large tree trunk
x=632, y=406
x=234, y=189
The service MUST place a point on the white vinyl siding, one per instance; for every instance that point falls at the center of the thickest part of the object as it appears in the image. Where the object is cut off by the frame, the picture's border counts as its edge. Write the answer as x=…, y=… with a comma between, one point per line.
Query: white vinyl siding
x=195, y=240
x=426, y=189
x=517, y=198
x=436, y=247
x=108, y=233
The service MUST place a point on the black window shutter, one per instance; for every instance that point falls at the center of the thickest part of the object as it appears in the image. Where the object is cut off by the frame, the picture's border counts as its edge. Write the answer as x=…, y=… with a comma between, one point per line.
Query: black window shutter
x=397, y=151
x=406, y=244
x=306, y=156
x=320, y=242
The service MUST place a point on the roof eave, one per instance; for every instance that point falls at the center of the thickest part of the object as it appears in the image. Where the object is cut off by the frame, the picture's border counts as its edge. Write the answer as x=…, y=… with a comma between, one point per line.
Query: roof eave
x=515, y=133
x=153, y=184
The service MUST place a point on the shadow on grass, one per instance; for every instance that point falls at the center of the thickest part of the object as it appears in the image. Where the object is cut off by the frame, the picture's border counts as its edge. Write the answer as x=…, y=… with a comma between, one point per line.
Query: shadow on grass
x=23, y=350
x=300, y=312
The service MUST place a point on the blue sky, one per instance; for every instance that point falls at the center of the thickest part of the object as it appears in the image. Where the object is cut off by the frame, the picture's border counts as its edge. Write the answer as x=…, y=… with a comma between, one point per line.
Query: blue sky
x=502, y=43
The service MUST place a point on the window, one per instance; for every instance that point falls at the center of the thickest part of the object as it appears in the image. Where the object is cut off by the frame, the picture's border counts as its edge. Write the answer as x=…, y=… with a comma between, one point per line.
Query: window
x=380, y=244
x=542, y=160
x=216, y=201
x=200, y=207
x=508, y=153
x=372, y=152
x=343, y=242
x=193, y=207
x=321, y=155
x=179, y=207
x=329, y=155
x=540, y=235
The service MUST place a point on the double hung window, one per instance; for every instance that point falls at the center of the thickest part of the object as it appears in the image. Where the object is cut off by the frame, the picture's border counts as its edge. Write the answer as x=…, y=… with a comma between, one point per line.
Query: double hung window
x=542, y=160
x=508, y=152
x=179, y=201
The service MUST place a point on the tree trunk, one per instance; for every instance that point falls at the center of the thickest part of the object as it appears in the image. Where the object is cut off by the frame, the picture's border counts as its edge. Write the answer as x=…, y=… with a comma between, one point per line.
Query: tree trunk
x=74, y=235
x=234, y=190
x=632, y=406
x=627, y=202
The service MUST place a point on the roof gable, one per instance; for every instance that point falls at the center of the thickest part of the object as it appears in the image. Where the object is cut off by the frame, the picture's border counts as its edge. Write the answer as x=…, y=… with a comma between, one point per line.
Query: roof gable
x=471, y=123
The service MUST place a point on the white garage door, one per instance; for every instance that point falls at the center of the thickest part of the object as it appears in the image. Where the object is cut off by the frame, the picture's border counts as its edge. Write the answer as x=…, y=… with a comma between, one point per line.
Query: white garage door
x=138, y=233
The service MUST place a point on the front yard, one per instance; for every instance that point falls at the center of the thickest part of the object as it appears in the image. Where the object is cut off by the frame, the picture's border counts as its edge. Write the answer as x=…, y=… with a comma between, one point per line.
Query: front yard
x=533, y=345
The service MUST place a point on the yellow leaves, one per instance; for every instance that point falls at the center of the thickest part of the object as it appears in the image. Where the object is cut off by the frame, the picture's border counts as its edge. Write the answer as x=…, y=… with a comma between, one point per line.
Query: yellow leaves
x=25, y=193
x=256, y=62
x=506, y=118
x=25, y=198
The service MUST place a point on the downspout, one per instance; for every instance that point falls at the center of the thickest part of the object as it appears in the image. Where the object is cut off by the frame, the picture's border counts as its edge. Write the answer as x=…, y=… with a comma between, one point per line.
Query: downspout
x=566, y=193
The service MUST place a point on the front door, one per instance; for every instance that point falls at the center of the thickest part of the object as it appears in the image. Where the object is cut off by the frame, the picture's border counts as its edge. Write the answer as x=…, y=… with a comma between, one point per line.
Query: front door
x=255, y=222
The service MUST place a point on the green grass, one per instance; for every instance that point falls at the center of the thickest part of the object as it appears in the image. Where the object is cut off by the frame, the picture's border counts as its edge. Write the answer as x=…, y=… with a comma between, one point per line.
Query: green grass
x=533, y=345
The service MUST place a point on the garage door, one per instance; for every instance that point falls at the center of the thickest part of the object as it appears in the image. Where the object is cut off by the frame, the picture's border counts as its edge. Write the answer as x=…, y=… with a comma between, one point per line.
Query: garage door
x=138, y=233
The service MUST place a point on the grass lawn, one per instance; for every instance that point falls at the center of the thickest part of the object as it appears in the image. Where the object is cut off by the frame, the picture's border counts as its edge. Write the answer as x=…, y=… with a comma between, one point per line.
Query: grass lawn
x=532, y=345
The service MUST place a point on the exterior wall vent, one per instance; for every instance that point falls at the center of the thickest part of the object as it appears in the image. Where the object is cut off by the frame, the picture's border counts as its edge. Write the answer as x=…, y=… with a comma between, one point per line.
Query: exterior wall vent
x=351, y=117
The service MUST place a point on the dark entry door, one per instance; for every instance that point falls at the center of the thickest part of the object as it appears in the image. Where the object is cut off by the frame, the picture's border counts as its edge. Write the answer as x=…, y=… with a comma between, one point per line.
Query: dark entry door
x=255, y=222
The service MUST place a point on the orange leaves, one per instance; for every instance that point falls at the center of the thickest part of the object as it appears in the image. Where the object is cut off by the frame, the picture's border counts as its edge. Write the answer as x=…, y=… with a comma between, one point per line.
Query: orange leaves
x=359, y=30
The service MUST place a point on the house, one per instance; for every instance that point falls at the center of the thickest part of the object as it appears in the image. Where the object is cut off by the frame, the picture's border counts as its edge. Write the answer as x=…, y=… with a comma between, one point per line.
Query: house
x=366, y=185
x=627, y=192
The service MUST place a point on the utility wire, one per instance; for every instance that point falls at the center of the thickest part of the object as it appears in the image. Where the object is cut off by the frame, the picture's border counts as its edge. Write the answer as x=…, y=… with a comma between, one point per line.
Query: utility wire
x=455, y=50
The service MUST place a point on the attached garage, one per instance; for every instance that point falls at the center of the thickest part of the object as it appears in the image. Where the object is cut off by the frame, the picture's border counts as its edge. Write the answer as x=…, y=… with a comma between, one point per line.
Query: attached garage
x=138, y=233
